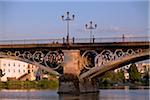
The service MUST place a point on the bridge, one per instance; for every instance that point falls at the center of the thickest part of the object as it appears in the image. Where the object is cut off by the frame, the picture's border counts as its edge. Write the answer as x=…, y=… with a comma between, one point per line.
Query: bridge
x=80, y=62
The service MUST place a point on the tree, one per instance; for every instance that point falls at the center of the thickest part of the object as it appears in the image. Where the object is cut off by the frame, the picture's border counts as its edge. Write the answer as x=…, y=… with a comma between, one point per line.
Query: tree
x=121, y=76
x=134, y=75
x=109, y=77
x=1, y=74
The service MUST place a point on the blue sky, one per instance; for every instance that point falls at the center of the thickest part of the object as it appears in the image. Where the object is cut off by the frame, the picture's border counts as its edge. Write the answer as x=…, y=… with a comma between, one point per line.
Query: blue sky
x=37, y=19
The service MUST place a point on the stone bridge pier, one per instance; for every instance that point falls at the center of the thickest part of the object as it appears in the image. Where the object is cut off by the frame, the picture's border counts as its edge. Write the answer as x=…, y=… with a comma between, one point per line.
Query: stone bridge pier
x=69, y=82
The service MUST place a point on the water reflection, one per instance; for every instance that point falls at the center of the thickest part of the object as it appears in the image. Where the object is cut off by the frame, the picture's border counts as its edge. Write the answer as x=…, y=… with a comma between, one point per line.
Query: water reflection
x=28, y=95
x=106, y=94
x=87, y=96
x=115, y=94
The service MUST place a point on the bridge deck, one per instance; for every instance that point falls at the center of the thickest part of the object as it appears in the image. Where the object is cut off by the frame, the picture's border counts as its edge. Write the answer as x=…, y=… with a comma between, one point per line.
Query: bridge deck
x=78, y=45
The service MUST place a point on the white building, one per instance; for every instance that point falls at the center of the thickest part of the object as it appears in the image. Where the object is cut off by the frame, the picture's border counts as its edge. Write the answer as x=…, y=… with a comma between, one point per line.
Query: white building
x=142, y=67
x=126, y=74
x=14, y=69
x=32, y=71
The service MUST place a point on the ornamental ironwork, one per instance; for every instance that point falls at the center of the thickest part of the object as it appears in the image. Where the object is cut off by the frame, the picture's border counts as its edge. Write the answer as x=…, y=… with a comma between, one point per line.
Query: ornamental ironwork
x=92, y=58
x=52, y=59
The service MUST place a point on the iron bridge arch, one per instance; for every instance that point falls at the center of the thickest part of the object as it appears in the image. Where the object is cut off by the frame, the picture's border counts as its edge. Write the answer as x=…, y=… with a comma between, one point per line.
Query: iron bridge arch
x=113, y=61
x=46, y=60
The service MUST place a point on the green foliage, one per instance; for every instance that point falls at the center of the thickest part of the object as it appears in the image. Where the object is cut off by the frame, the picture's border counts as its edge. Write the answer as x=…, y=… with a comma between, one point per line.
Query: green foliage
x=43, y=84
x=134, y=75
x=121, y=77
x=110, y=77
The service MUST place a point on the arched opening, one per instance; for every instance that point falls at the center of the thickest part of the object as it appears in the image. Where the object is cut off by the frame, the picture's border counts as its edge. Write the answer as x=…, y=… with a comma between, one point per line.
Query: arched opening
x=115, y=64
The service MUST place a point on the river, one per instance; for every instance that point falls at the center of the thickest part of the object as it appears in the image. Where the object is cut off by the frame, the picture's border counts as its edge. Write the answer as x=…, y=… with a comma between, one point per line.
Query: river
x=104, y=94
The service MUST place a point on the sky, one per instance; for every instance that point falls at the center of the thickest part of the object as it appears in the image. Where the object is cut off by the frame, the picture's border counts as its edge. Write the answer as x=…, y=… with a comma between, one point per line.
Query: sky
x=41, y=19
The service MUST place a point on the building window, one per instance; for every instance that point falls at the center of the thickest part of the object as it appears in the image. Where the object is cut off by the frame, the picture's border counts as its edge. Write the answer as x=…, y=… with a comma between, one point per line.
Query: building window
x=3, y=70
x=28, y=66
x=19, y=70
x=24, y=71
x=14, y=64
x=9, y=64
x=4, y=64
x=28, y=71
x=8, y=70
x=19, y=65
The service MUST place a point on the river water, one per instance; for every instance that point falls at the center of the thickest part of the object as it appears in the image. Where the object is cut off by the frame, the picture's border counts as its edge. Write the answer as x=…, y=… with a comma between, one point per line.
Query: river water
x=107, y=94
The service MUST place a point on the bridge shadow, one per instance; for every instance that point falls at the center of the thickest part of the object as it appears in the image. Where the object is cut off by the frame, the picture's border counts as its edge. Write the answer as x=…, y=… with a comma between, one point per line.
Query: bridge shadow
x=85, y=96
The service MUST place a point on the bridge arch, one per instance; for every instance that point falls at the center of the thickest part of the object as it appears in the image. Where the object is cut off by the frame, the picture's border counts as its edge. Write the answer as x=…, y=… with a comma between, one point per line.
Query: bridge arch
x=48, y=69
x=88, y=54
x=96, y=71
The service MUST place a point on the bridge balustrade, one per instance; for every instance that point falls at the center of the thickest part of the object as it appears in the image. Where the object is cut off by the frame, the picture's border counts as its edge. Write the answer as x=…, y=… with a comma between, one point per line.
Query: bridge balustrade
x=75, y=40
x=32, y=41
x=109, y=39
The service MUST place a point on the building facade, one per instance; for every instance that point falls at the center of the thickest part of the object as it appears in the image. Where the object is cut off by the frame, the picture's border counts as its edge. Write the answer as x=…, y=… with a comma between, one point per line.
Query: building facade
x=17, y=70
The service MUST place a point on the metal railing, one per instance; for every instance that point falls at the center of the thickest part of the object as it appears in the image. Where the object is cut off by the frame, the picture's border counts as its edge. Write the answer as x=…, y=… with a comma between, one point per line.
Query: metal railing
x=115, y=39
x=75, y=40
x=32, y=41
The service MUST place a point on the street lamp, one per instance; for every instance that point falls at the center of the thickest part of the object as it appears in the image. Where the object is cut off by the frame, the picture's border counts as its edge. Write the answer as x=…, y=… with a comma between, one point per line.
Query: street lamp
x=68, y=19
x=91, y=27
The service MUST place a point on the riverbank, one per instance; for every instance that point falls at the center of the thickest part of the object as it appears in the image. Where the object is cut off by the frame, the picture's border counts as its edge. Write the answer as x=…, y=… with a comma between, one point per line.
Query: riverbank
x=128, y=85
x=54, y=84
x=125, y=87
x=43, y=84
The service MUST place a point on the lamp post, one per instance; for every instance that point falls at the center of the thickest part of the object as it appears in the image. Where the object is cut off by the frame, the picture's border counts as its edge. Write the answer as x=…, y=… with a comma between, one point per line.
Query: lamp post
x=67, y=19
x=91, y=27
